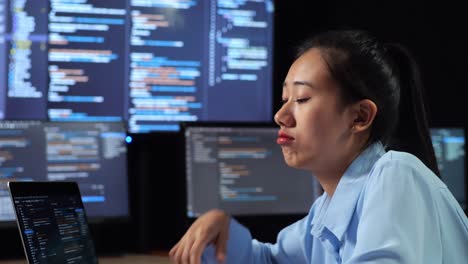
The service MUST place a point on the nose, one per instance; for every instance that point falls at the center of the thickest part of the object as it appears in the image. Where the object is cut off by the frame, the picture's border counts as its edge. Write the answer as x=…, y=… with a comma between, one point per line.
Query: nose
x=284, y=116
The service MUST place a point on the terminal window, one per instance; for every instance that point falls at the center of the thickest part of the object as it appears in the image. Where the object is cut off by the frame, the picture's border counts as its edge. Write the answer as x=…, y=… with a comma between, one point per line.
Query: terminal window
x=242, y=171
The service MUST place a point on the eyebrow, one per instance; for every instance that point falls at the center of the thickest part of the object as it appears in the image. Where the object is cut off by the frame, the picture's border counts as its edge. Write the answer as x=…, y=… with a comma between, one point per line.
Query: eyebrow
x=301, y=83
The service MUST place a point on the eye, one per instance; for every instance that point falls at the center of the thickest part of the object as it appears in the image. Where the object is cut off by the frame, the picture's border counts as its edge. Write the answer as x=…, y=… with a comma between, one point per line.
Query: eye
x=302, y=100
x=283, y=101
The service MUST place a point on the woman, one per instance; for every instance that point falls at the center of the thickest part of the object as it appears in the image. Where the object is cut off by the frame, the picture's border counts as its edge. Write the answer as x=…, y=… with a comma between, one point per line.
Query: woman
x=346, y=99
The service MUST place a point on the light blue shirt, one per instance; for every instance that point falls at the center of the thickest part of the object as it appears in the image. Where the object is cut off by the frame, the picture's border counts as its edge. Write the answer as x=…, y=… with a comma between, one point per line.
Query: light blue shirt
x=387, y=208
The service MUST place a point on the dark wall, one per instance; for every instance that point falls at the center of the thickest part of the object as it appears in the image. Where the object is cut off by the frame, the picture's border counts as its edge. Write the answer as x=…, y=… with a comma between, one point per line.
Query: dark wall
x=435, y=33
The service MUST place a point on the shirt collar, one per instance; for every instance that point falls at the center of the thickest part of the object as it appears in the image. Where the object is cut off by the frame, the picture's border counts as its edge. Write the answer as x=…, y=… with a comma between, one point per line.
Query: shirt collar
x=336, y=216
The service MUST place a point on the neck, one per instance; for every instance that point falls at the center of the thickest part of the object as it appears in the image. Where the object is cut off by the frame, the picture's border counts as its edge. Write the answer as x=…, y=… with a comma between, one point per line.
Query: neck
x=330, y=178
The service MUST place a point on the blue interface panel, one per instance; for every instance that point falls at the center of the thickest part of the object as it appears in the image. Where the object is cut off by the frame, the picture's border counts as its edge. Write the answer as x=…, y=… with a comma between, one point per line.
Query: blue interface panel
x=152, y=63
x=87, y=46
x=23, y=59
x=92, y=154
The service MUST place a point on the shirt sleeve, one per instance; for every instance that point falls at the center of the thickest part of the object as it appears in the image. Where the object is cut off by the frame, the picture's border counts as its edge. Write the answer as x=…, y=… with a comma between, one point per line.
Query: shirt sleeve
x=290, y=247
x=396, y=217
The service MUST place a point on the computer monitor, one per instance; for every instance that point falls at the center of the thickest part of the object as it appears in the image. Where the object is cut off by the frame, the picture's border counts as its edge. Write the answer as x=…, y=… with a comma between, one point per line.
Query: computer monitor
x=152, y=63
x=240, y=169
x=91, y=154
x=449, y=147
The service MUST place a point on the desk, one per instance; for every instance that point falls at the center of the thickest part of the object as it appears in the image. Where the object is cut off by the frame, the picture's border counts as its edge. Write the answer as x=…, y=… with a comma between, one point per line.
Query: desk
x=126, y=259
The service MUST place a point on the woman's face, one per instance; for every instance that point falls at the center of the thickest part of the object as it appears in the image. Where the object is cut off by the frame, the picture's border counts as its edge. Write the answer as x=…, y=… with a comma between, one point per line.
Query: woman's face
x=314, y=126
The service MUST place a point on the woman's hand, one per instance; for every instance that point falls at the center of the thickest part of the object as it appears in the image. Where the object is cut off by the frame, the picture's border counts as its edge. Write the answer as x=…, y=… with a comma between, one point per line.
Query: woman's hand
x=211, y=227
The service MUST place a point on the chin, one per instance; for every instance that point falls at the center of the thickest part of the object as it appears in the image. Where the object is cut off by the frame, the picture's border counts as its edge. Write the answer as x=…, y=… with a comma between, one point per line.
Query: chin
x=295, y=165
x=292, y=162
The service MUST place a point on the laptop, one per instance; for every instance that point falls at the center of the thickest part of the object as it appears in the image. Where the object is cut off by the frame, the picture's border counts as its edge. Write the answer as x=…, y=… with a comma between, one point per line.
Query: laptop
x=52, y=222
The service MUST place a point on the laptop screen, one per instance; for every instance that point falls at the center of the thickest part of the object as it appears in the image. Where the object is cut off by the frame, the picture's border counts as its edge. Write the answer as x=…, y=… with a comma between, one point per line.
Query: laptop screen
x=52, y=222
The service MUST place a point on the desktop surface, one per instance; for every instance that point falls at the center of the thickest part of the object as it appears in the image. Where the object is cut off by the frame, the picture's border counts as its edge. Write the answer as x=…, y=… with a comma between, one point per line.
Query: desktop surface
x=130, y=259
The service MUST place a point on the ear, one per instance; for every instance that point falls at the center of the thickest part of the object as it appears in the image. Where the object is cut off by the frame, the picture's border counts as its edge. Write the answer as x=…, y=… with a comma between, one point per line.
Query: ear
x=363, y=112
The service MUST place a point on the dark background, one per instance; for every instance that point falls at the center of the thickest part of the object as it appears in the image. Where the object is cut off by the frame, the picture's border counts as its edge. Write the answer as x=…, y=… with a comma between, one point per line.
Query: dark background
x=435, y=33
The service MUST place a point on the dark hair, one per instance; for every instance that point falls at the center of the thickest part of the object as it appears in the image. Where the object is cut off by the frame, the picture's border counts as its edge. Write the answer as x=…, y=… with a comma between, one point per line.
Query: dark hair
x=387, y=75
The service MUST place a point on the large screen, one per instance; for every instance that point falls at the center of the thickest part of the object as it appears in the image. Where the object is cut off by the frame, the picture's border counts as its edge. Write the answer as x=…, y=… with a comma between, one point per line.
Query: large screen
x=242, y=171
x=91, y=154
x=152, y=63
x=449, y=147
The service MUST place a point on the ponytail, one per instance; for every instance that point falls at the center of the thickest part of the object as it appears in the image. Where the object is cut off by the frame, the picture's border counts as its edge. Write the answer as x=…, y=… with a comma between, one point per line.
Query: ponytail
x=387, y=75
x=412, y=131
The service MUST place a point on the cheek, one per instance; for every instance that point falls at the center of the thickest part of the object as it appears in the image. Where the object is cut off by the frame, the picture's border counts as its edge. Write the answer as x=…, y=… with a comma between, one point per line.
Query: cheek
x=314, y=123
x=318, y=130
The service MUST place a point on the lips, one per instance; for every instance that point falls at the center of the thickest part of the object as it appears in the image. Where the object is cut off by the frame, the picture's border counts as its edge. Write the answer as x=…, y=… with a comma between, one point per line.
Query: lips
x=284, y=139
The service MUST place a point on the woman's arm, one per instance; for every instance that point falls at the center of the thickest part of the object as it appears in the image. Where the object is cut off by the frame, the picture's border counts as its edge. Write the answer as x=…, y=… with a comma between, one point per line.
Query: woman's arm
x=216, y=238
x=293, y=246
